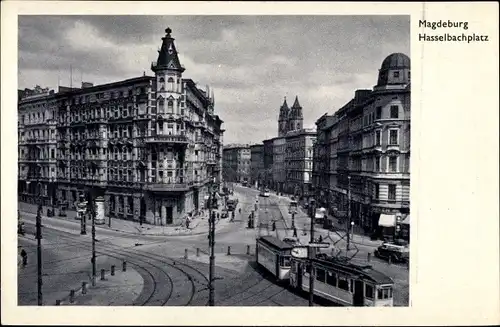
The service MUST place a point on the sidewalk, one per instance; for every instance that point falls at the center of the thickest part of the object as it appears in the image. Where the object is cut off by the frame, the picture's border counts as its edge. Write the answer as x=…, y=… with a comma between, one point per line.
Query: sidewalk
x=198, y=224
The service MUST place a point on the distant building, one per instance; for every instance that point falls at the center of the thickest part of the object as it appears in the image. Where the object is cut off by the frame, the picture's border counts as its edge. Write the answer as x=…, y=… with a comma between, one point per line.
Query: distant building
x=257, y=165
x=368, y=146
x=298, y=160
x=268, y=162
x=236, y=163
x=279, y=164
x=150, y=146
x=290, y=119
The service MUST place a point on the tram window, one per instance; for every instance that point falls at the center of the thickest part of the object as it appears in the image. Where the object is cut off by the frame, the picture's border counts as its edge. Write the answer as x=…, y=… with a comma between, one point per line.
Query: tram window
x=320, y=275
x=285, y=261
x=331, y=279
x=343, y=284
x=384, y=293
x=369, y=291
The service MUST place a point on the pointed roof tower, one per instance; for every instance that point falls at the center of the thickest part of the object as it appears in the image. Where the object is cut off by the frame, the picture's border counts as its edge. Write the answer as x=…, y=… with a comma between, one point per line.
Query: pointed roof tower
x=296, y=111
x=284, y=111
x=167, y=55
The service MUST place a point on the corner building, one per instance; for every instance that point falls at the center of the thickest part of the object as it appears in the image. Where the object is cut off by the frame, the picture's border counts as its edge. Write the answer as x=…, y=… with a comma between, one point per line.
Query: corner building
x=150, y=146
x=366, y=145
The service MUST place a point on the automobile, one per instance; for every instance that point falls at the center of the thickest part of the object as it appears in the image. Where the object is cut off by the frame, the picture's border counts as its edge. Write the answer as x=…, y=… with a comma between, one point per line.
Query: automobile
x=291, y=240
x=224, y=213
x=265, y=193
x=396, y=252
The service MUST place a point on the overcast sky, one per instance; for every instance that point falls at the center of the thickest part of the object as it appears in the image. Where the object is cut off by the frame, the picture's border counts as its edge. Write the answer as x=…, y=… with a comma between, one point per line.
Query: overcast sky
x=251, y=62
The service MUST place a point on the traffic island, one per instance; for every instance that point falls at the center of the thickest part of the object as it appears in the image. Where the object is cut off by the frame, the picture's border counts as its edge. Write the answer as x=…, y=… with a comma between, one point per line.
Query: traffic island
x=117, y=289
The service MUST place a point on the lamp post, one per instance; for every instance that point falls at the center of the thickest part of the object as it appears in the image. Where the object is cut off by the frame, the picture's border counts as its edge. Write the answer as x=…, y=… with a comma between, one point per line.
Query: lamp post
x=349, y=225
x=311, y=255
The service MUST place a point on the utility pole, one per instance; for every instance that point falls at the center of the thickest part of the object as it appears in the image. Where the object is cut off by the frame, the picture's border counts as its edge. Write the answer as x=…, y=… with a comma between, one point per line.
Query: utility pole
x=91, y=211
x=39, y=252
x=348, y=212
x=311, y=255
x=211, y=241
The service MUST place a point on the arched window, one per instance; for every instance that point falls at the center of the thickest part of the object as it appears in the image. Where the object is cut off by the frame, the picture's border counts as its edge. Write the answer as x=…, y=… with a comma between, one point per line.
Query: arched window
x=170, y=108
x=171, y=83
x=162, y=80
x=298, y=125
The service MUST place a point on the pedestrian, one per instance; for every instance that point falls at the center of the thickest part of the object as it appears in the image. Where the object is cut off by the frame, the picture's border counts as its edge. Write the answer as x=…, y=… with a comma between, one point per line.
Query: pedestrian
x=239, y=210
x=320, y=239
x=295, y=232
x=24, y=256
x=274, y=225
x=187, y=222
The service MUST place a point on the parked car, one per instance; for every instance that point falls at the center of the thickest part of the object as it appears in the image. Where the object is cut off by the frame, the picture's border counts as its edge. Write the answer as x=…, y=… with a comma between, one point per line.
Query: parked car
x=397, y=253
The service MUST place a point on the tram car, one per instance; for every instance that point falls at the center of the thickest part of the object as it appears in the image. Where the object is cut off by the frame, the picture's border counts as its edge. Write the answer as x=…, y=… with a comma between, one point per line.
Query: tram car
x=275, y=256
x=343, y=283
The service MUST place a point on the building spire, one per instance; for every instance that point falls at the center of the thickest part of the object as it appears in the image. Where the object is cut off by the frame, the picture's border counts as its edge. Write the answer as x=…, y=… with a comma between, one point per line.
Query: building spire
x=168, y=54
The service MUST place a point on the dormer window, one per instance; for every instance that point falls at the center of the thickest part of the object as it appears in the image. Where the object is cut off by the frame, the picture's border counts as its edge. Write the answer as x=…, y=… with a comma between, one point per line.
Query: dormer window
x=171, y=83
x=162, y=80
x=396, y=74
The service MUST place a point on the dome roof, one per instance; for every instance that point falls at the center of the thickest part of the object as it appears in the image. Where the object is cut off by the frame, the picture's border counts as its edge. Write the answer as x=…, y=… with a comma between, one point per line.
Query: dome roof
x=396, y=60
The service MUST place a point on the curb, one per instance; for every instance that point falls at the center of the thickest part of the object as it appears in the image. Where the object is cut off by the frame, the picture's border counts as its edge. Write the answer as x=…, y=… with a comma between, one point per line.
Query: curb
x=127, y=232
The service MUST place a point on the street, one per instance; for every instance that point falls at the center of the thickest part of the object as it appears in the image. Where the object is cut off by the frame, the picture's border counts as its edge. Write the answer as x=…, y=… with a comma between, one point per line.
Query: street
x=169, y=277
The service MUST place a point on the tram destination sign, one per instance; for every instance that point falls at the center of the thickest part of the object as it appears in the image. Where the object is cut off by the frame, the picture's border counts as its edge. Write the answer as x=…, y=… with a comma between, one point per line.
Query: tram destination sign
x=299, y=252
x=319, y=245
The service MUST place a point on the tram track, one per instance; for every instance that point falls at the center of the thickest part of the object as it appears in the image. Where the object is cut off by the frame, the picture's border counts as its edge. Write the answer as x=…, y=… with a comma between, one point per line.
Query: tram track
x=158, y=294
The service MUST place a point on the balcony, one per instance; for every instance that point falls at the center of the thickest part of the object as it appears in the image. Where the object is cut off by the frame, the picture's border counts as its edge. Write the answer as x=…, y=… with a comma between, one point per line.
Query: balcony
x=176, y=139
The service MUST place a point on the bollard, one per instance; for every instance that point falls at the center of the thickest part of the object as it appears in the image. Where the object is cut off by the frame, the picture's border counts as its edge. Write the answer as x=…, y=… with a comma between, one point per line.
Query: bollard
x=124, y=268
x=197, y=252
x=369, y=256
x=84, y=287
x=112, y=270
x=71, y=296
x=58, y=302
x=185, y=253
x=103, y=272
x=248, y=249
x=228, y=250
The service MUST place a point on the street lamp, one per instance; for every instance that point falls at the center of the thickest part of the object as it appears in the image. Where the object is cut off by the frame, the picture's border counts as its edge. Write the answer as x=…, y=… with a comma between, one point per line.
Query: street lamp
x=349, y=223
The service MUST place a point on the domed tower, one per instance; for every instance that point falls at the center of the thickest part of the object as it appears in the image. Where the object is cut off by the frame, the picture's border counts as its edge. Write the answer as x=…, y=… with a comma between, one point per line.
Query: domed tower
x=394, y=72
x=168, y=71
x=283, y=119
x=295, y=119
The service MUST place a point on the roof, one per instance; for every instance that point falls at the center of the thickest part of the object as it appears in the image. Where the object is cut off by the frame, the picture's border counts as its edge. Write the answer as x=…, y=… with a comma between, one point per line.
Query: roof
x=364, y=272
x=167, y=55
x=395, y=60
x=275, y=242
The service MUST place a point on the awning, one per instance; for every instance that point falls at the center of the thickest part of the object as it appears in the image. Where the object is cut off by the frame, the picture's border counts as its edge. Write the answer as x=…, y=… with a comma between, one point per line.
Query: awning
x=387, y=220
x=406, y=221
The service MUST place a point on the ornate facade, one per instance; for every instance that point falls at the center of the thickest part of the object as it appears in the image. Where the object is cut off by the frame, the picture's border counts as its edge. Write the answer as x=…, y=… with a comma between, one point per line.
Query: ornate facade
x=149, y=145
x=257, y=164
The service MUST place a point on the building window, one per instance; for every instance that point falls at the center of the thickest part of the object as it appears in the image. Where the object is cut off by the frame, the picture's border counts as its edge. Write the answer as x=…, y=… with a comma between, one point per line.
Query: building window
x=376, y=190
x=377, y=137
x=52, y=153
x=171, y=84
x=408, y=76
x=378, y=113
x=394, y=111
x=396, y=74
x=377, y=163
x=392, y=192
x=170, y=107
x=369, y=291
x=393, y=164
x=393, y=137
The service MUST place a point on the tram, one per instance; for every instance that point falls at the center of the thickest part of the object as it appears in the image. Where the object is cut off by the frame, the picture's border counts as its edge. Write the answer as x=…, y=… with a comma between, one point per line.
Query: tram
x=274, y=255
x=343, y=283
